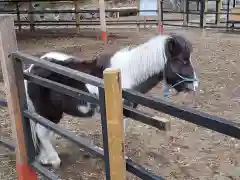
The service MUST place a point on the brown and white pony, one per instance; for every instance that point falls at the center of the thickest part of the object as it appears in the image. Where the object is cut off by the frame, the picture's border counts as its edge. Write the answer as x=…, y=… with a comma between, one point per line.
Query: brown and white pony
x=164, y=57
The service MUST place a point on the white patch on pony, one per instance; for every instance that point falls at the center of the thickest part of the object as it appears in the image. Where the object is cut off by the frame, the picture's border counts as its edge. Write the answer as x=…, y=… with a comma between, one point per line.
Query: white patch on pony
x=48, y=154
x=195, y=84
x=139, y=63
x=84, y=109
x=56, y=55
x=42, y=157
x=32, y=109
x=92, y=89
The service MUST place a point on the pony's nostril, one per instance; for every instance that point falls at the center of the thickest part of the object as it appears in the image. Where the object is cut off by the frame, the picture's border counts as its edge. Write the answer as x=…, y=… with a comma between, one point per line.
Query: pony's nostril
x=192, y=86
x=195, y=85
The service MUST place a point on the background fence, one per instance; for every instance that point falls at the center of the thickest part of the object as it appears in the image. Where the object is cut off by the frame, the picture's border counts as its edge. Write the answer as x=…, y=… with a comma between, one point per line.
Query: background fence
x=55, y=14
x=12, y=68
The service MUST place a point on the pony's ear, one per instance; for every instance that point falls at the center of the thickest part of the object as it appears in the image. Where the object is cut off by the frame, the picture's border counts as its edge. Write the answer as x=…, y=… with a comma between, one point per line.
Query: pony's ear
x=173, y=47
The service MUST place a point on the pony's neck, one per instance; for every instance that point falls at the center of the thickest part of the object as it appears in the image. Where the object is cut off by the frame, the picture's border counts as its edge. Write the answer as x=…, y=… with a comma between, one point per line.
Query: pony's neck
x=142, y=62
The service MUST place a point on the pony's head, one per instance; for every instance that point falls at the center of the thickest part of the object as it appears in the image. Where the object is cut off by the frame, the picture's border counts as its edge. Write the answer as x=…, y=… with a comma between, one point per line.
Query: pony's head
x=179, y=72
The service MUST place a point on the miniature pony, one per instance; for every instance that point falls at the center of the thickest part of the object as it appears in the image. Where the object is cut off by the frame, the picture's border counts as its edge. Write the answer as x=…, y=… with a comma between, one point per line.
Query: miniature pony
x=164, y=57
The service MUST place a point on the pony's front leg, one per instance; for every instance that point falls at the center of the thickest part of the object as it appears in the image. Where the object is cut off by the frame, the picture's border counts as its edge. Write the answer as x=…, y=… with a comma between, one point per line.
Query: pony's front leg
x=48, y=155
x=43, y=156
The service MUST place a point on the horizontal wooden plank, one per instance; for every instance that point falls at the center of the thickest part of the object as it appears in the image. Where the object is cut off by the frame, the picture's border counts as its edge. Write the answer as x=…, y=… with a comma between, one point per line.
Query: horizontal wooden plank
x=235, y=17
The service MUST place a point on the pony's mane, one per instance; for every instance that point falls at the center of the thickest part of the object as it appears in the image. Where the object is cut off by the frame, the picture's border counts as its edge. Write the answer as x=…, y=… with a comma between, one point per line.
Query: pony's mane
x=184, y=42
x=139, y=63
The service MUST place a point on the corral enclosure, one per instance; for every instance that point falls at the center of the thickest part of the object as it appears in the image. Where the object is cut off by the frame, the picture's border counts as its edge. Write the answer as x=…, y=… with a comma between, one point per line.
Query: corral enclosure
x=187, y=151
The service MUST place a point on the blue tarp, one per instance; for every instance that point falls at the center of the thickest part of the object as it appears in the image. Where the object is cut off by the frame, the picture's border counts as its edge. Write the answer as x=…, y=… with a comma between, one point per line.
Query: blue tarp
x=148, y=5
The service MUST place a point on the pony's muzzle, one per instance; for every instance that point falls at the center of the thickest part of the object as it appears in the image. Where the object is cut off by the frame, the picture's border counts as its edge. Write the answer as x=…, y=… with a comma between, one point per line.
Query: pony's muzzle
x=193, y=86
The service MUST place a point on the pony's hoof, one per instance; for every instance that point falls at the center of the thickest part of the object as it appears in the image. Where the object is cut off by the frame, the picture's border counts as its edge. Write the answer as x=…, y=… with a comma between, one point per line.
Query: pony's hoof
x=43, y=160
x=54, y=162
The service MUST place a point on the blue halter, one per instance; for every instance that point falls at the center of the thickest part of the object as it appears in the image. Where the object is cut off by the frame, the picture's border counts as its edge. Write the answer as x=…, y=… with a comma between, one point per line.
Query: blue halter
x=167, y=87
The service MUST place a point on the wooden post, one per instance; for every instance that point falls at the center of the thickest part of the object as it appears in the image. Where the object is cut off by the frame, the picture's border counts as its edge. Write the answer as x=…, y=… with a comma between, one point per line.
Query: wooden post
x=167, y=123
x=18, y=16
x=202, y=14
x=235, y=17
x=186, y=11
x=77, y=16
x=8, y=44
x=31, y=16
x=219, y=11
x=114, y=115
x=160, y=18
x=138, y=17
x=103, y=20
x=145, y=21
x=205, y=13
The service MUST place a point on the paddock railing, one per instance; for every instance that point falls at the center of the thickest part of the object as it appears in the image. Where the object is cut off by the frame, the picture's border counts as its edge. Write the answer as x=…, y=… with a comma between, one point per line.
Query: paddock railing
x=224, y=15
x=36, y=15
x=12, y=65
x=78, y=94
x=14, y=76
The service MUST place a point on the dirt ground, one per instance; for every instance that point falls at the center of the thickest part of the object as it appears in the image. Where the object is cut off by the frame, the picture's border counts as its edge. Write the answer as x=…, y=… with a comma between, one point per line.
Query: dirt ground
x=187, y=151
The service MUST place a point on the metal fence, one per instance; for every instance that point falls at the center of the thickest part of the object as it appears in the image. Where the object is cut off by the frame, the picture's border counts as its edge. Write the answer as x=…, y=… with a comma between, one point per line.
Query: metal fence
x=200, y=118
x=218, y=15
x=16, y=96
x=223, y=15
x=128, y=112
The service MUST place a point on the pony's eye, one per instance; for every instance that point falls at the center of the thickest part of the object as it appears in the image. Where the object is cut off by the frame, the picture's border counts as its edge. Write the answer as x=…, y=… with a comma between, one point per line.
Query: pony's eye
x=185, y=62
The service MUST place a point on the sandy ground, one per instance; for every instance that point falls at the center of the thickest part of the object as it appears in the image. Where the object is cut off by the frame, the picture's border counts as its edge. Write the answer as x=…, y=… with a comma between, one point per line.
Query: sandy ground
x=187, y=151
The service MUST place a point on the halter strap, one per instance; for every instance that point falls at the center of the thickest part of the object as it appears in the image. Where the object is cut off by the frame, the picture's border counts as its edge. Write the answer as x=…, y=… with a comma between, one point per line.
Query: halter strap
x=167, y=87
